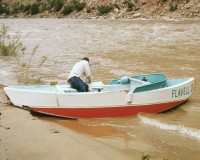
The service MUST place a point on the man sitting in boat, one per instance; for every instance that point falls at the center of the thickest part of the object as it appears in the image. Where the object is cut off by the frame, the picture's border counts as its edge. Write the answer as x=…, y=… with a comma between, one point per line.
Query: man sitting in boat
x=80, y=69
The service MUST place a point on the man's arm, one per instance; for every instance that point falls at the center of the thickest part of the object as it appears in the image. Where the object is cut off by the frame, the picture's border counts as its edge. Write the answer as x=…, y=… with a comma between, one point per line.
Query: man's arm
x=88, y=72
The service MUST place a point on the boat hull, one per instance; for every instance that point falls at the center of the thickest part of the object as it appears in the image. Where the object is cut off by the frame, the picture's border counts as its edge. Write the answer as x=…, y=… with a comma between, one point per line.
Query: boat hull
x=106, y=112
x=118, y=103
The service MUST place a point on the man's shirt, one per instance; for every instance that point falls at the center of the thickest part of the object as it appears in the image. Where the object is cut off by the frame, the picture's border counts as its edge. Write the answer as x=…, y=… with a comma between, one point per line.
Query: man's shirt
x=81, y=69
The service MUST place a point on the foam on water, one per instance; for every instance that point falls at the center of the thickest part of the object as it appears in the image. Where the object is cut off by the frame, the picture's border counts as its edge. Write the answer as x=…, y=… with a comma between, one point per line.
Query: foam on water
x=109, y=125
x=191, y=132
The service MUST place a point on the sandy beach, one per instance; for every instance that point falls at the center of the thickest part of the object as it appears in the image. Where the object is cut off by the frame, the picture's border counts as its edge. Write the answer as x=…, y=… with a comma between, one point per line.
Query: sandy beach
x=24, y=136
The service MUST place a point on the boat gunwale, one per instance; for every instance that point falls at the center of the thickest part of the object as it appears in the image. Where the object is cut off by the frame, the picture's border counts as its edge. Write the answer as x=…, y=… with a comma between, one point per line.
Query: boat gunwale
x=65, y=93
x=187, y=80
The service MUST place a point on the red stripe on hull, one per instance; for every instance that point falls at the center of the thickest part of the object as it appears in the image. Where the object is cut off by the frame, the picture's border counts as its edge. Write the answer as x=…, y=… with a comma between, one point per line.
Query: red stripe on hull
x=106, y=111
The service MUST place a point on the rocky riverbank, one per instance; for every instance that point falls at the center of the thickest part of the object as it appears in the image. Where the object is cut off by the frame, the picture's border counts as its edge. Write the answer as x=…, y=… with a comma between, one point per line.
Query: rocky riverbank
x=100, y=9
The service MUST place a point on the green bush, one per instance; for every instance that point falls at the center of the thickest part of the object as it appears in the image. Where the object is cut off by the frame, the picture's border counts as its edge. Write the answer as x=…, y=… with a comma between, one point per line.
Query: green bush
x=28, y=66
x=10, y=45
x=44, y=7
x=68, y=9
x=105, y=9
x=34, y=9
x=78, y=5
x=14, y=9
x=17, y=8
x=75, y=5
x=56, y=4
x=27, y=8
x=3, y=10
x=129, y=5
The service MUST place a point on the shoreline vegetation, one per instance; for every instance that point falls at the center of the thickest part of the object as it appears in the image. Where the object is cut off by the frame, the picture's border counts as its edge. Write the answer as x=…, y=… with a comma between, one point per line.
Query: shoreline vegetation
x=100, y=9
x=27, y=67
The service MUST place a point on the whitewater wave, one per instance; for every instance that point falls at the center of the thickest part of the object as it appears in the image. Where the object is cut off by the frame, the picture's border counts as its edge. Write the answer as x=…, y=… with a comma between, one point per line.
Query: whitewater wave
x=110, y=125
x=191, y=132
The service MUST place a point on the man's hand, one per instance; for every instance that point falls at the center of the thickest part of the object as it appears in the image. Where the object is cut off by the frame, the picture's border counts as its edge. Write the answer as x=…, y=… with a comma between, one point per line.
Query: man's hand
x=89, y=79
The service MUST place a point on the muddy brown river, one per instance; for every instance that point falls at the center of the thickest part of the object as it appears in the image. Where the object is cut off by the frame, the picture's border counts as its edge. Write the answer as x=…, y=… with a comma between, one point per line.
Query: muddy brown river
x=121, y=48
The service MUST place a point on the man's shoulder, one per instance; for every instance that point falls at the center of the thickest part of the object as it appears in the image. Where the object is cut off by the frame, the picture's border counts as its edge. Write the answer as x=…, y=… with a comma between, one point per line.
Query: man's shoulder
x=84, y=62
x=79, y=63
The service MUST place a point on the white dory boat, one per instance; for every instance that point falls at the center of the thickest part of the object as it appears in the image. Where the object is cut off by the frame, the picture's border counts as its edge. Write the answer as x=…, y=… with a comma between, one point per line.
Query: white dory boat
x=122, y=97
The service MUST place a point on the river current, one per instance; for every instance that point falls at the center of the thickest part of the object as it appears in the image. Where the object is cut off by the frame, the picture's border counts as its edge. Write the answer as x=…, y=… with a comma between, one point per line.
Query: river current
x=121, y=48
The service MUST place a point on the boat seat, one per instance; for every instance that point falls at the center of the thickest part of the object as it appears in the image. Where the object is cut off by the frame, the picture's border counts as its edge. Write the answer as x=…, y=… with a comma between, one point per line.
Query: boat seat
x=65, y=89
x=134, y=83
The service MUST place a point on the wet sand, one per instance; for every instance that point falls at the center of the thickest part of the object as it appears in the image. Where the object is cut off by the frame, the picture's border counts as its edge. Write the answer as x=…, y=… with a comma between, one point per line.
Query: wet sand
x=24, y=136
